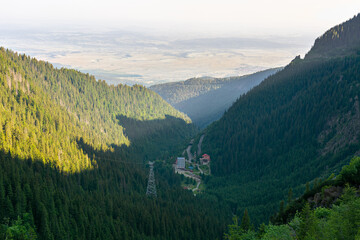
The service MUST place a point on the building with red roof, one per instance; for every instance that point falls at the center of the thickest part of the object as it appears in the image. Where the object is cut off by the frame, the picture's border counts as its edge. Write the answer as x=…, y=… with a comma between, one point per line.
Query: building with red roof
x=205, y=159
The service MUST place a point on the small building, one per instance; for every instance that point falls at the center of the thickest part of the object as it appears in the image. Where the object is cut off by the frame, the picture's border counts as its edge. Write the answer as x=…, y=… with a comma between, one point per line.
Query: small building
x=205, y=159
x=180, y=162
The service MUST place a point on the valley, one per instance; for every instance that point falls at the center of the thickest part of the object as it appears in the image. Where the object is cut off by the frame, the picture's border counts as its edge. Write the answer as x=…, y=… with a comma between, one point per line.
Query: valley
x=82, y=159
x=76, y=145
x=205, y=100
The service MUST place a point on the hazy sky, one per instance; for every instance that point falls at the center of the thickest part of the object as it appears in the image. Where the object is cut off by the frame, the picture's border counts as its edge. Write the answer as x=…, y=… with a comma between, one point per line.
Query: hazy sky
x=230, y=17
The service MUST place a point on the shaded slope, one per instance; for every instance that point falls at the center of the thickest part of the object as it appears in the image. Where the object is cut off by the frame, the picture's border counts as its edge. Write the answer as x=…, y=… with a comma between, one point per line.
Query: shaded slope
x=210, y=106
x=176, y=92
x=108, y=202
x=330, y=210
x=205, y=100
x=300, y=123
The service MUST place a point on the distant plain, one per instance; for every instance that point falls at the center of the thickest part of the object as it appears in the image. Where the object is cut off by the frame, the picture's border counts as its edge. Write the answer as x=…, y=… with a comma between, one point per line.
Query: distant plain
x=147, y=59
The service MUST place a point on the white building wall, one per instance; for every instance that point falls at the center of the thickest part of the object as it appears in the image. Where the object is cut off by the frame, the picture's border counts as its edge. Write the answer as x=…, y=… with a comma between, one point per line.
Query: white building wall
x=180, y=163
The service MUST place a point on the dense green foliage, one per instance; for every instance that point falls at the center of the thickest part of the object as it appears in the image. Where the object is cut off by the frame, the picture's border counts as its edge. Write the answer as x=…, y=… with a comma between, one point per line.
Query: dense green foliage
x=340, y=220
x=206, y=100
x=290, y=112
x=107, y=202
x=299, y=124
x=20, y=229
x=72, y=154
x=324, y=194
x=351, y=173
x=176, y=92
x=44, y=111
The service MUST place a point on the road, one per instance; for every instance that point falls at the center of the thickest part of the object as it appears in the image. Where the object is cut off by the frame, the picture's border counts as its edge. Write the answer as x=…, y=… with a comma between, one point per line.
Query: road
x=199, y=145
x=188, y=150
x=188, y=174
x=190, y=158
x=197, y=186
x=201, y=171
x=192, y=176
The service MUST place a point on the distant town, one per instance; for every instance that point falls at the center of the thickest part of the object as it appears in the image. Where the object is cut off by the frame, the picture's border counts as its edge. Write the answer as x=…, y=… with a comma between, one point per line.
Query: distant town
x=194, y=167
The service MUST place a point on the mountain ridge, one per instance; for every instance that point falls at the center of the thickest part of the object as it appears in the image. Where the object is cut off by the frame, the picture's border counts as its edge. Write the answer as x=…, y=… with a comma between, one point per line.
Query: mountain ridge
x=205, y=100
x=339, y=40
x=298, y=124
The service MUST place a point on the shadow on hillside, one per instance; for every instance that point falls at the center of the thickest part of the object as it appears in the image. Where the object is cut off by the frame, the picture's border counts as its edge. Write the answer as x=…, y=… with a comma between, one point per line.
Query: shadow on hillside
x=101, y=203
x=149, y=140
x=135, y=129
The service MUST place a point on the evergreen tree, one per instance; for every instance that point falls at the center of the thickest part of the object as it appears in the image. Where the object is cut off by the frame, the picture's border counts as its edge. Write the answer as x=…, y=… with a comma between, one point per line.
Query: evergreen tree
x=245, y=221
x=307, y=223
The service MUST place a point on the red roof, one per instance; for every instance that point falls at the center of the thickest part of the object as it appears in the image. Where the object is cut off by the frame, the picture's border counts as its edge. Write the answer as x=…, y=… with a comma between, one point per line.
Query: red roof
x=206, y=156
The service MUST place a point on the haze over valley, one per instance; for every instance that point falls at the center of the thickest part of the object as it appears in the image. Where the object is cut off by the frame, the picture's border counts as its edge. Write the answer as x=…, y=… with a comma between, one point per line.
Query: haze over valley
x=147, y=59
x=156, y=42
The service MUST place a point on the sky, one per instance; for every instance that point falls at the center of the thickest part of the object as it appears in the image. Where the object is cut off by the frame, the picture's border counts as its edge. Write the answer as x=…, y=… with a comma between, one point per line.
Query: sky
x=231, y=17
x=156, y=41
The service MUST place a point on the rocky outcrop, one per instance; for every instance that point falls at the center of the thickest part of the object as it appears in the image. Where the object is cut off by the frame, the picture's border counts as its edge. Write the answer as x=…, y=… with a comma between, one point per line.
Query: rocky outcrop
x=326, y=197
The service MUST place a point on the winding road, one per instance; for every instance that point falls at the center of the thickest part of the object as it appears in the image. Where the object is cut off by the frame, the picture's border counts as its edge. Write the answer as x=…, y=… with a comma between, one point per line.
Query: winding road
x=188, y=150
x=190, y=158
x=198, y=167
x=197, y=185
x=199, y=145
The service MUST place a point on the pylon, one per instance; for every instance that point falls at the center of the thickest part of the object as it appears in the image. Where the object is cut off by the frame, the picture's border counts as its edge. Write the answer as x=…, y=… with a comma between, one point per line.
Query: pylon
x=151, y=187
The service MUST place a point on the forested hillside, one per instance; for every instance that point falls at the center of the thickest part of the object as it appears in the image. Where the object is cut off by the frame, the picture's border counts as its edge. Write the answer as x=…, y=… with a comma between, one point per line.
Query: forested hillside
x=108, y=202
x=72, y=159
x=176, y=92
x=205, y=100
x=338, y=41
x=330, y=210
x=297, y=125
x=44, y=111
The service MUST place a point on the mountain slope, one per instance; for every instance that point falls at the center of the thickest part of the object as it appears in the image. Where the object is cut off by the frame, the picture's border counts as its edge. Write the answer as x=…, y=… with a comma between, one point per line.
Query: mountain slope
x=337, y=41
x=72, y=159
x=44, y=111
x=176, y=92
x=298, y=124
x=330, y=210
x=107, y=202
x=205, y=100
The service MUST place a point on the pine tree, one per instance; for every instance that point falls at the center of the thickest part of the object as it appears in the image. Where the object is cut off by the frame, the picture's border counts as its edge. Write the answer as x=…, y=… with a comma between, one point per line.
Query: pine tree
x=234, y=231
x=245, y=221
x=307, y=222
